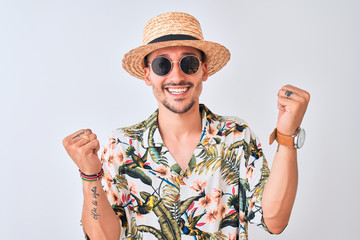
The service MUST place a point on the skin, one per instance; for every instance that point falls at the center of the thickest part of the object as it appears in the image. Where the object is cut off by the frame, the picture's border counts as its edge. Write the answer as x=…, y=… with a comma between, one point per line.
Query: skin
x=98, y=218
x=180, y=128
x=179, y=117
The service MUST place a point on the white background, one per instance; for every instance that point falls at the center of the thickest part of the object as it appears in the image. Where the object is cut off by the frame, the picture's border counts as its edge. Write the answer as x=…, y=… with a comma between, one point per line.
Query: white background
x=60, y=70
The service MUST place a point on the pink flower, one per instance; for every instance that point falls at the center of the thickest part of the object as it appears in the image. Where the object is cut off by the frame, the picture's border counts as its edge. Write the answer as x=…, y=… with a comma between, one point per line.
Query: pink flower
x=222, y=210
x=103, y=155
x=236, y=133
x=250, y=171
x=114, y=197
x=205, y=202
x=119, y=157
x=132, y=188
x=211, y=216
x=111, y=160
x=211, y=131
x=232, y=236
x=112, y=143
x=252, y=203
x=198, y=185
x=162, y=171
x=242, y=221
x=109, y=181
x=216, y=195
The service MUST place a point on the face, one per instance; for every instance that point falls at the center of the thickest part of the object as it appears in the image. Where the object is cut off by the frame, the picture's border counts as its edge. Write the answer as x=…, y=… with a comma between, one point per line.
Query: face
x=176, y=91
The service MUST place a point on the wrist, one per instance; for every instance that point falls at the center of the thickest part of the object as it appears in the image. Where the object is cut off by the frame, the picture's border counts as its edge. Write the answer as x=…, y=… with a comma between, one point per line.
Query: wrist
x=292, y=141
x=92, y=177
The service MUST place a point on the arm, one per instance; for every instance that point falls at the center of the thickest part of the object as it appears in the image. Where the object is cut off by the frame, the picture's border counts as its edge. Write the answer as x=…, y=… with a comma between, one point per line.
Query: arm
x=280, y=189
x=98, y=218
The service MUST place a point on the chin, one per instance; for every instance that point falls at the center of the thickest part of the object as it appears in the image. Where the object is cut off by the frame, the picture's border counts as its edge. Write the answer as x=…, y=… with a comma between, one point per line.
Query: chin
x=179, y=109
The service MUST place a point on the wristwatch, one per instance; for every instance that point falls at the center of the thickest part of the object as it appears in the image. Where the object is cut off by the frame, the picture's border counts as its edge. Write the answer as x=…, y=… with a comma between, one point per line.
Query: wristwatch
x=293, y=141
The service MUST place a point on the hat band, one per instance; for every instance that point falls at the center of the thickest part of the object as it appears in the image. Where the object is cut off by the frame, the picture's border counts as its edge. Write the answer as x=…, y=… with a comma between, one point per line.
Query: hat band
x=173, y=37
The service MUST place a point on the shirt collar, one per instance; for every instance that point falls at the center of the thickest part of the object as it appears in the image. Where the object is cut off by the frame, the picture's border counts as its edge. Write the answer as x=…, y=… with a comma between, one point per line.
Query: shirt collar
x=153, y=136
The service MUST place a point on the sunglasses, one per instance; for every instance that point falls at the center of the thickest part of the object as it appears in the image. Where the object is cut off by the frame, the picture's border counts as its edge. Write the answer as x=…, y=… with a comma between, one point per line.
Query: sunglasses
x=162, y=66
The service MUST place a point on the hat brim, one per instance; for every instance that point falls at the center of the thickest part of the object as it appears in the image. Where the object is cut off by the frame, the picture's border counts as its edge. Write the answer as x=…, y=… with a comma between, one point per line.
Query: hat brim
x=217, y=55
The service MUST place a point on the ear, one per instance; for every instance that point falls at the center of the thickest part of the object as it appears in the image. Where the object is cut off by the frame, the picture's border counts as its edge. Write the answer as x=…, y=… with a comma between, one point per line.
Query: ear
x=147, y=76
x=205, y=71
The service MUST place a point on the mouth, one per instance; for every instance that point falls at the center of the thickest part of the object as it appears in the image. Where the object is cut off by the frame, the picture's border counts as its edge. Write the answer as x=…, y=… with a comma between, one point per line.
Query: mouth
x=178, y=90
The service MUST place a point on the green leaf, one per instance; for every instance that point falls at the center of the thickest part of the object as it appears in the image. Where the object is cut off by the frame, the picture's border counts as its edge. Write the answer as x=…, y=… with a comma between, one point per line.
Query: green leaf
x=217, y=140
x=169, y=226
x=176, y=168
x=230, y=220
x=137, y=173
x=155, y=153
x=157, y=233
x=192, y=162
x=186, y=203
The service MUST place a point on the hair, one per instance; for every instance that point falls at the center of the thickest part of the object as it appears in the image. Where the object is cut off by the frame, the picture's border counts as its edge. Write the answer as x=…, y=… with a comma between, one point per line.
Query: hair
x=203, y=58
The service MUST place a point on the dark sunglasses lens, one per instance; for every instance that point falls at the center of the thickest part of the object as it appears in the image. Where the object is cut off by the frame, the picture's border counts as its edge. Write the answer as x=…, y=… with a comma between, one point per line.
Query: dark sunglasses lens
x=161, y=66
x=190, y=64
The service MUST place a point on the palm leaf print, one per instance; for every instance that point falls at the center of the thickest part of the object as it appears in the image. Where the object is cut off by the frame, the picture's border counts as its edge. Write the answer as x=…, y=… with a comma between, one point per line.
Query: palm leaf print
x=211, y=157
x=157, y=233
x=169, y=226
x=133, y=232
x=120, y=182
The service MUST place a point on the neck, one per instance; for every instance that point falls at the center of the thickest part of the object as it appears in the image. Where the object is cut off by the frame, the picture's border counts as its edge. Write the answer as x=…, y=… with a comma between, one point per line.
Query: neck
x=176, y=126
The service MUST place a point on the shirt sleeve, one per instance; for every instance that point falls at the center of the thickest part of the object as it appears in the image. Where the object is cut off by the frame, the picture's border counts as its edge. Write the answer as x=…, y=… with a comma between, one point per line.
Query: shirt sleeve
x=115, y=184
x=253, y=176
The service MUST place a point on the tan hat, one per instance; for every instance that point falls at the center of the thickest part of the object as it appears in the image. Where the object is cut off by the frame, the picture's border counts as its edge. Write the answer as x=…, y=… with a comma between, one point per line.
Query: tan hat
x=174, y=29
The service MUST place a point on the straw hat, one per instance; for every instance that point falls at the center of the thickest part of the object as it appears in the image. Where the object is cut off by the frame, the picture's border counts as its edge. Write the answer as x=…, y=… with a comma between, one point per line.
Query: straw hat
x=174, y=29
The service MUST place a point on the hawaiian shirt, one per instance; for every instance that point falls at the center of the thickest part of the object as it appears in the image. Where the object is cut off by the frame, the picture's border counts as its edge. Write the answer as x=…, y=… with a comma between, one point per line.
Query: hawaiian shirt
x=214, y=198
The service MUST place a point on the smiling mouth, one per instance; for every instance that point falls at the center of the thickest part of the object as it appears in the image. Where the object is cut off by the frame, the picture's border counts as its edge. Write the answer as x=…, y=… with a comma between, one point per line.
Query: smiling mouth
x=177, y=91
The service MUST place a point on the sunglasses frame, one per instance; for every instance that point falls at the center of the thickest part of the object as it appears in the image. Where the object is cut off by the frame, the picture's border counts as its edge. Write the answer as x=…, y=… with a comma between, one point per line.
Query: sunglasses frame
x=178, y=63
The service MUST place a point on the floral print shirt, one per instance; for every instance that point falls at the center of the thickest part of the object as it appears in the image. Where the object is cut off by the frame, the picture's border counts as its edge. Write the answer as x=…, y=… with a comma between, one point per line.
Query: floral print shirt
x=214, y=198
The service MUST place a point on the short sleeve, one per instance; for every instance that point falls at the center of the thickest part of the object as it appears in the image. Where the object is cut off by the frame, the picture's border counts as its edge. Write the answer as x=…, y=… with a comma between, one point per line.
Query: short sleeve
x=114, y=183
x=253, y=176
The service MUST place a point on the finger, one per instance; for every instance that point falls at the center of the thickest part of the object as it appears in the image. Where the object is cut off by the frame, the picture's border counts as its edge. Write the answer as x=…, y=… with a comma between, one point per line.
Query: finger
x=73, y=137
x=78, y=137
x=94, y=145
x=288, y=94
x=85, y=139
x=78, y=133
x=288, y=105
x=87, y=148
x=300, y=92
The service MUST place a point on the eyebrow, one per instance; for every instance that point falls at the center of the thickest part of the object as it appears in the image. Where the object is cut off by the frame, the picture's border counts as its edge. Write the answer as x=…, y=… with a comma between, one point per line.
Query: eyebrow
x=183, y=54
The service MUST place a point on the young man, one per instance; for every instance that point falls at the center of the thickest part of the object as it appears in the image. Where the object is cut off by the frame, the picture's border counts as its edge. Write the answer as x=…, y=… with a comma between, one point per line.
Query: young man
x=186, y=173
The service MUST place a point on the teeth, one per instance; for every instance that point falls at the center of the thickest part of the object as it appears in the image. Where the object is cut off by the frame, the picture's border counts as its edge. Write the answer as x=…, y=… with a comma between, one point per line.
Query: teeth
x=177, y=90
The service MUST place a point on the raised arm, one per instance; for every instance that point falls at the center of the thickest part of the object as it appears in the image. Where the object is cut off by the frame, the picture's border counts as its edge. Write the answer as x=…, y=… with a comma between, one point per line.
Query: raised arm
x=280, y=189
x=98, y=218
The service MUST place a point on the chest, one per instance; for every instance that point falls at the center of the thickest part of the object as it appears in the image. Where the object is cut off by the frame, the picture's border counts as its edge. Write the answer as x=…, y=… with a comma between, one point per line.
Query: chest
x=182, y=151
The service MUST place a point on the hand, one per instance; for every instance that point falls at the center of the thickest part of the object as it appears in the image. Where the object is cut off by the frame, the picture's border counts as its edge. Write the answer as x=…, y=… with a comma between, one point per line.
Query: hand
x=82, y=146
x=292, y=104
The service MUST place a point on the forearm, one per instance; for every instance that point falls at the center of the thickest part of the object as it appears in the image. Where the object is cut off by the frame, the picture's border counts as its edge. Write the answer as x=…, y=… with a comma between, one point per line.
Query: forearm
x=280, y=189
x=98, y=218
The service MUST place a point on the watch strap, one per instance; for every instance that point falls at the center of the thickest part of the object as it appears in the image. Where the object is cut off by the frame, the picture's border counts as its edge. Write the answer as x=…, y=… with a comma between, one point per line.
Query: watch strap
x=282, y=139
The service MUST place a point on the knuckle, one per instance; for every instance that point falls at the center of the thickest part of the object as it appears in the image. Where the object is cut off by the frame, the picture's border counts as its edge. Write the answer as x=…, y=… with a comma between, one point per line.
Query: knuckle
x=65, y=142
x=286, y=86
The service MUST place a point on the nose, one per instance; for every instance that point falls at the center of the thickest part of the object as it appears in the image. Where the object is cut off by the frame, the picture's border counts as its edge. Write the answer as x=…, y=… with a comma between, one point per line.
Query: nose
x=176, y=73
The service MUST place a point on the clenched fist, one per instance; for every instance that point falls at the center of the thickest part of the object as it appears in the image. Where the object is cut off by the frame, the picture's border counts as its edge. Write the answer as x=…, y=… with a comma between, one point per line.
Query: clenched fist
x=292, y=104
x=82, y=146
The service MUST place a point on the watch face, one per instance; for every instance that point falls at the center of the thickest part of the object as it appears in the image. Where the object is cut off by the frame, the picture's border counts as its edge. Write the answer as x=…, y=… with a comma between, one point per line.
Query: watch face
x=300, y=138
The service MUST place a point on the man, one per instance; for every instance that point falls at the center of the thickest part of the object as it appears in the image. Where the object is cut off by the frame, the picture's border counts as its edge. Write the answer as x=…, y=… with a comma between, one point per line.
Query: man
x=185, y=172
